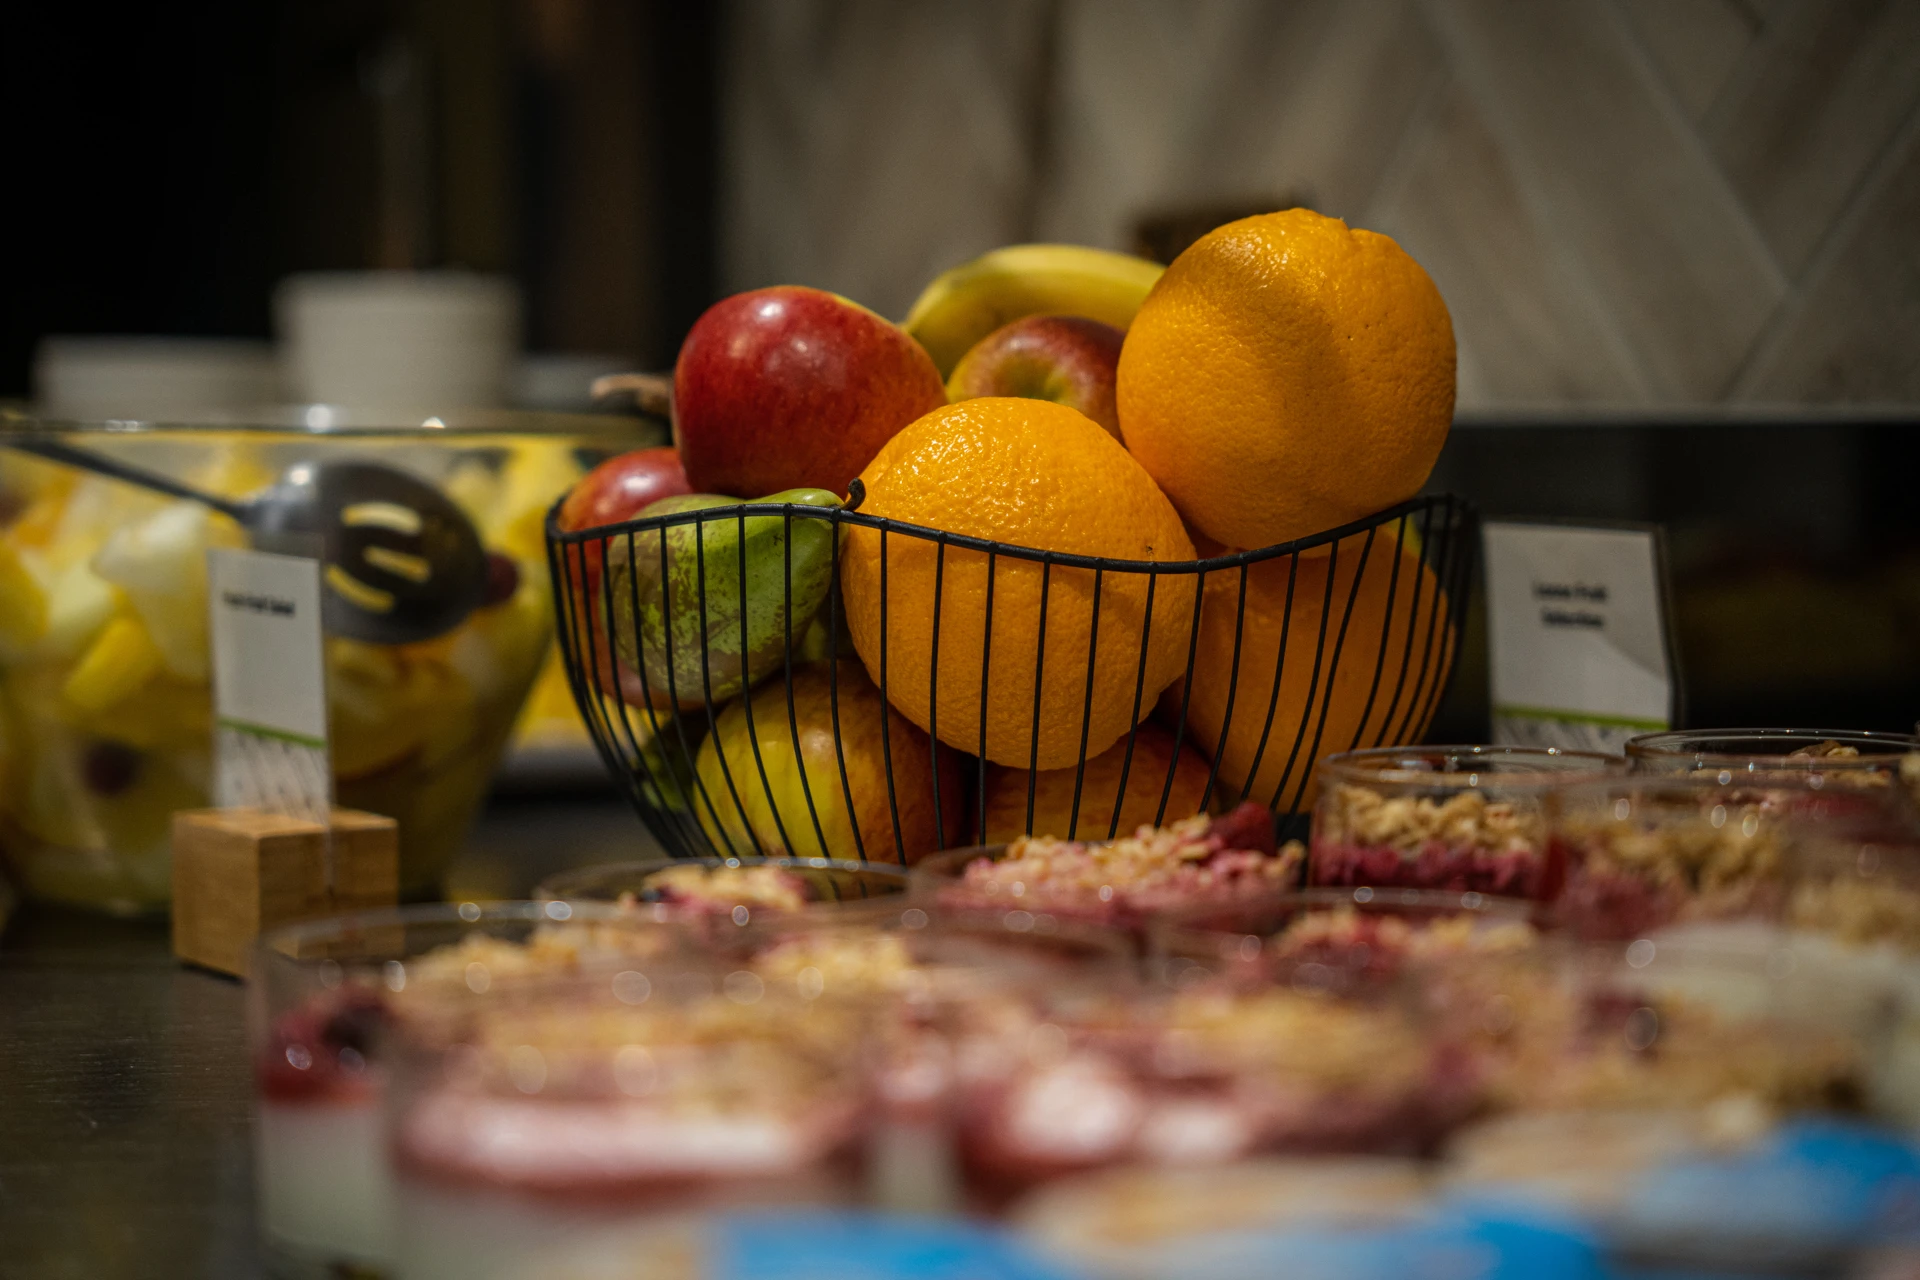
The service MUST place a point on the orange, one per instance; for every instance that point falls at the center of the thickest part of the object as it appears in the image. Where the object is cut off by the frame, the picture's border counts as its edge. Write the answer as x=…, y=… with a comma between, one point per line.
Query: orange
x=1146, y=782
x=1286, y=375
x=1396, y=626
x=1038, y=475
x=768, y=802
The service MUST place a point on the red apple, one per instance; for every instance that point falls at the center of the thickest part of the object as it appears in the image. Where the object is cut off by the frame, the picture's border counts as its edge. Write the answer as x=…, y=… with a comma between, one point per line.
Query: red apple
x=616, y=490
x=1069, y=360
x=794, y=388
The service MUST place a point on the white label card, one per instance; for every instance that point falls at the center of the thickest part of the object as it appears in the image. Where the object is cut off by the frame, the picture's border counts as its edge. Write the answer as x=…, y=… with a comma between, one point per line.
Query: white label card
x=269, y=683
x=1577, y=635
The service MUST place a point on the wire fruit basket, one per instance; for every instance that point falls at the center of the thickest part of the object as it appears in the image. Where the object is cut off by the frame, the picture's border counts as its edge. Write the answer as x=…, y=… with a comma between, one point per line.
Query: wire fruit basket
x=740, y=683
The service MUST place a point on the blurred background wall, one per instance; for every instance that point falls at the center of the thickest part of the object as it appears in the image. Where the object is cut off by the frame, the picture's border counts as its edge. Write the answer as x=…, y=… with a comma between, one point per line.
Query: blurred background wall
x=1627, y=203
x=1680, y=238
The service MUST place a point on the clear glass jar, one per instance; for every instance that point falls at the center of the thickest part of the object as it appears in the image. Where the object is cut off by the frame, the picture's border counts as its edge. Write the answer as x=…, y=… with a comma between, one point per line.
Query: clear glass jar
x=602, y=1127
x=323, y=997
x=105, y=703
x=737, y=887
x=1057, y=1082
x=1364, y=931
x=1852, y=758
x=1693, y=1105
x=1641, y=853
x=1125, y=882
x=1466, y=818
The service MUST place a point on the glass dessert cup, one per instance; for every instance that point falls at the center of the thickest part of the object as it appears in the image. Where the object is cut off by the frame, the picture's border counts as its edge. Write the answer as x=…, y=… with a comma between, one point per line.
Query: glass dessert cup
x=1366, y=932
x=1453, y=818
x=1641, y=853
x=1120, y=883
x=1850, y=918
x=104, y=686
x=323, y=996
x=735, y=887
x=1852, y=759
x=1664, y=1092
x=1148, y=1222
x=916, y=968
x=596, y=1128
x=1071, y=1081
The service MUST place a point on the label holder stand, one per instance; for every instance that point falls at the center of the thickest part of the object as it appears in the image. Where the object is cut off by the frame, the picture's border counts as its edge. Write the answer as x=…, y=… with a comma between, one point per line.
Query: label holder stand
x=273, y=850
x=1661, y=602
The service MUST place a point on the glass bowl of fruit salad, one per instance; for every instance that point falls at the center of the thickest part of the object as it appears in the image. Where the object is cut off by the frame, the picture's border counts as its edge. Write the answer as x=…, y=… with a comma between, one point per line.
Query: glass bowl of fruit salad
x=1464, y=818
x=105, y=700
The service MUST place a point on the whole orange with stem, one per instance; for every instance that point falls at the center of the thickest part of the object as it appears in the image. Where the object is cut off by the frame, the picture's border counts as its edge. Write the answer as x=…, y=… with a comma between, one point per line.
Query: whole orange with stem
x=1135, y=784
x=1288, y=374
x=1367, y=635
x=1036, y=664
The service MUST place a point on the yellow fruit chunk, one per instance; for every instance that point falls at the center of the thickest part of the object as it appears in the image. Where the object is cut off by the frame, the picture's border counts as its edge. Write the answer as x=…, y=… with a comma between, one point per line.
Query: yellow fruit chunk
x=235, y=470
x=474, y=486
x=164, y=714
x=37, y=525
x=23, y=603
x=35, y=478
x=120, y=662
x=160, y=563
x=388, y=704
x=537, y=473
x=79, y=603
x=6, y=764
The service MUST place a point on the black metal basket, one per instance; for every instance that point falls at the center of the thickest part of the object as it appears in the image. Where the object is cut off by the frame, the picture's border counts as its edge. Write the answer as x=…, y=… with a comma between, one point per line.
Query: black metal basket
x=740, y=723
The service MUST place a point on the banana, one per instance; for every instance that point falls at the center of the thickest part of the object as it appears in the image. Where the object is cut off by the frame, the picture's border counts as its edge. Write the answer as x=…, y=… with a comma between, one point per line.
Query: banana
x=970, y=301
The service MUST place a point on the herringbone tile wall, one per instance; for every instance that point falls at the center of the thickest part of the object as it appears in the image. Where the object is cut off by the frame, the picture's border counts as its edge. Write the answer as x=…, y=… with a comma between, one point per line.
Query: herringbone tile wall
x=1629, y=204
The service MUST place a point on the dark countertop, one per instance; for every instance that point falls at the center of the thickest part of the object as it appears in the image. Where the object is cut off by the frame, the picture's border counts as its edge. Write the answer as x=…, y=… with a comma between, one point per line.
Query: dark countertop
x=125, y=1129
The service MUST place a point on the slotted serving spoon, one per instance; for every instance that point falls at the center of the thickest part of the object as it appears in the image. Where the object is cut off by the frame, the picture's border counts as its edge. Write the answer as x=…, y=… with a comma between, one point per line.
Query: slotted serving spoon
x=399, y=561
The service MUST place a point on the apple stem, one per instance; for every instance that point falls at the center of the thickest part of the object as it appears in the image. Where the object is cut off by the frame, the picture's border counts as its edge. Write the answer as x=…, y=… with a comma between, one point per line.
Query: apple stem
x=651, y=393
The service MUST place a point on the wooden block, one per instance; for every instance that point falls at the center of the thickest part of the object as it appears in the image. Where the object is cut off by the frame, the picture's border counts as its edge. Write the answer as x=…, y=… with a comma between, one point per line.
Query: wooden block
x=238, y=873
x=366, y=854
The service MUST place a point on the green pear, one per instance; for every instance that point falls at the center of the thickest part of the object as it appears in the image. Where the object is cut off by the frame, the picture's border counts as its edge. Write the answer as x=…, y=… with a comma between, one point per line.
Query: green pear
x=689, y=620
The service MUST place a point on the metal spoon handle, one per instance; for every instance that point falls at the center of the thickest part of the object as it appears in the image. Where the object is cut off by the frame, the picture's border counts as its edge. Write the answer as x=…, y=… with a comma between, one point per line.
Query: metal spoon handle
x=101, y=464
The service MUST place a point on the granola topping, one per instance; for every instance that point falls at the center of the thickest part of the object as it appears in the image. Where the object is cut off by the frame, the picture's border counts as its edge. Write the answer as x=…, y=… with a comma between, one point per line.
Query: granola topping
x=1388, y=939
x=1466, y=820
x=1692, y=852
x=1544, y=1045
x=1155, y=868
x=1858, y=911
x=721, y=889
